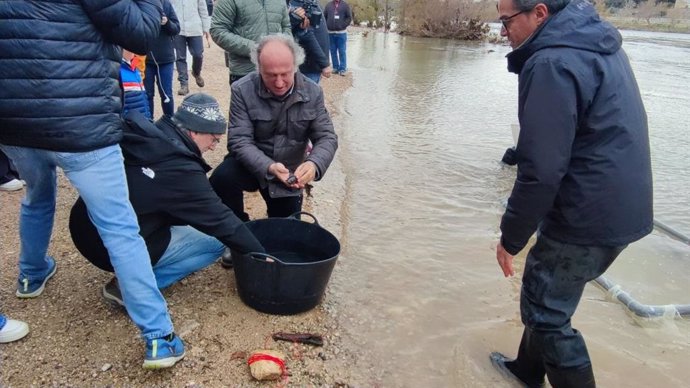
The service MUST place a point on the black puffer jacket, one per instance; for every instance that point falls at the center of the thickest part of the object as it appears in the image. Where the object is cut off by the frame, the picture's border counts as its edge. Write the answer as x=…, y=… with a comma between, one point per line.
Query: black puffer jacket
x=584, y=169
x=168, y=186
x=59, y=87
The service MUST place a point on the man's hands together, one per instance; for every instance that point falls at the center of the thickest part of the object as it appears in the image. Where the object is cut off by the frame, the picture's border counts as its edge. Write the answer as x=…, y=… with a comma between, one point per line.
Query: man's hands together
x=305, y=173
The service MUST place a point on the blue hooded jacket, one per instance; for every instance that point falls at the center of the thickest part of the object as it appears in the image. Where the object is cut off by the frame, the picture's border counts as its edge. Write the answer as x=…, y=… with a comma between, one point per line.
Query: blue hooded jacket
x=584, y=171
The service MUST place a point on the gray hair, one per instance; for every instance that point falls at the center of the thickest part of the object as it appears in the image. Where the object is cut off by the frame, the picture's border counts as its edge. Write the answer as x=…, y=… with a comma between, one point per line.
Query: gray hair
x=285, y=39
x=553, y=5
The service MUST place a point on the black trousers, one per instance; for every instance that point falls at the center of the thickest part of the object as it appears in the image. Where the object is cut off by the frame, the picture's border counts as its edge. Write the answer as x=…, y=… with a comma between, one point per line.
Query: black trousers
x=553, y=282
x=196, y=48
x=231, y=179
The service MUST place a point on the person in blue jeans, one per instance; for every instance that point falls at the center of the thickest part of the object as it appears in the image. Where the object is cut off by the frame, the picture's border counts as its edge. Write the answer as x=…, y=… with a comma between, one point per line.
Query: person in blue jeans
x=160, y=62
x=338, y=17
x=47, y=123
x=183, y=222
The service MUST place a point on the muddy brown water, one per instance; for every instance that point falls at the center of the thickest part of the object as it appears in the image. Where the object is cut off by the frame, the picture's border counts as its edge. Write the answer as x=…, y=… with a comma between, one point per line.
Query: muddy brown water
x=415, y=197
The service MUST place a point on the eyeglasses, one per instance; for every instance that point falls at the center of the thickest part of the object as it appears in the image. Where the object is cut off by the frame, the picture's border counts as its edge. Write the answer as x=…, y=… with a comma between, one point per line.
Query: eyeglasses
x=506, y=21
x=216, y=139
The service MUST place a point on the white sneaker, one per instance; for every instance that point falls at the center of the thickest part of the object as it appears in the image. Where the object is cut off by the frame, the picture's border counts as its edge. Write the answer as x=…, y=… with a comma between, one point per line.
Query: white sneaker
x=13, y=330
x=13, y=185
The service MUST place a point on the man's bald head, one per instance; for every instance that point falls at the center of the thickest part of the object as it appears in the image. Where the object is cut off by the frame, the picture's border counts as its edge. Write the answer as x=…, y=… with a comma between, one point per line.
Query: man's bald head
x=285, y=40
x=277, y=58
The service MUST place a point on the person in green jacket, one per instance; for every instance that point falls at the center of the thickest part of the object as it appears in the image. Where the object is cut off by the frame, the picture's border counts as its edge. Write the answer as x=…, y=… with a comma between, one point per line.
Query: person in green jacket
x=237, y=25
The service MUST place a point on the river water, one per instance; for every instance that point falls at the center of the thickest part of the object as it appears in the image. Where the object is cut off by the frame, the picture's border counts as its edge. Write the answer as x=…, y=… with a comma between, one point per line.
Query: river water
x=415, y=196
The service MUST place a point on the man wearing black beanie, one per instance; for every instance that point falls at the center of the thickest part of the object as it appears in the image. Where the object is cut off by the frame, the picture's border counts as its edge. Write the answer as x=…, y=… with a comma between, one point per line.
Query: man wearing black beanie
x=183, y=222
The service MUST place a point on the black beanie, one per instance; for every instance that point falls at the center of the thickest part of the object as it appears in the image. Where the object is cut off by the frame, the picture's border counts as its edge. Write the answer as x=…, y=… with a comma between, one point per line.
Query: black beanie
x=200, y=112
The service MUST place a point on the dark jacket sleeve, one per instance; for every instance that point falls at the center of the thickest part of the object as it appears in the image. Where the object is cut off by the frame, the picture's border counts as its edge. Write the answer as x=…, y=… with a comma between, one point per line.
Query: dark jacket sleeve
x=348, y=15
x=323, y=137
x=131, y=24
x=548, y=121
x=191, y=200
x=312, y=48
x=172, y=27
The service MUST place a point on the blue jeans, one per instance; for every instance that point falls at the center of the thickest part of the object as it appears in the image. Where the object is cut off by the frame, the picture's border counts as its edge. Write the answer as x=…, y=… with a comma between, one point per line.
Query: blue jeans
x=99, y=177
x=338, y=47
x=188, y=251
x=163, y=73
x=316, y=77
x=3, y=321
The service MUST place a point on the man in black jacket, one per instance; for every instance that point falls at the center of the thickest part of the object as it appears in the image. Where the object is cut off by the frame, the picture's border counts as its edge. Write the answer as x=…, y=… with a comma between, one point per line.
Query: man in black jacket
x=184, y=223
x=584, y=179
x=309, y=29
x=60, y=104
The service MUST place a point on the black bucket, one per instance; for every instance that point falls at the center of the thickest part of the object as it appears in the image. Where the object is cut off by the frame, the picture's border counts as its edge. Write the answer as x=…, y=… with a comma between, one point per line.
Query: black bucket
x=292, y=277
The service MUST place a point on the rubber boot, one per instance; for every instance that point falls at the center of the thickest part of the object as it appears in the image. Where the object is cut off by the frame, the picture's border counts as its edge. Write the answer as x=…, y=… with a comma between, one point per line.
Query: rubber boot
x=508, y=368
x=529, y=365
x=571, y=378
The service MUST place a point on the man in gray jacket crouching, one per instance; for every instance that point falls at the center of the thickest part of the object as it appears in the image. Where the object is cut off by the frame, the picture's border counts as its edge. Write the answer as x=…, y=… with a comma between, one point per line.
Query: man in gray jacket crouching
x=274, y=113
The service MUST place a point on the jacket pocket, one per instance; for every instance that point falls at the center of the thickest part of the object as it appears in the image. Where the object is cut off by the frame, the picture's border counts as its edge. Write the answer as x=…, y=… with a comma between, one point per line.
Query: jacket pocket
x=299, y=125
x=263, y=123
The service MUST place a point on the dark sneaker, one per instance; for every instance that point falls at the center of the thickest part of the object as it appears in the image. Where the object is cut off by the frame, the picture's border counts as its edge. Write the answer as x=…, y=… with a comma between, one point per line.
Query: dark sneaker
x=199, y=80
x=111, y=292
x=498, y=360
x=226, y=259
x=184, y=90
x=31, y=288
x=163, y=352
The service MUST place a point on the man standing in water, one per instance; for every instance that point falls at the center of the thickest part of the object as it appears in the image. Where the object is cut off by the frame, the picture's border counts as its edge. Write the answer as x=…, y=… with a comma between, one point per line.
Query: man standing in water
x=584, y=180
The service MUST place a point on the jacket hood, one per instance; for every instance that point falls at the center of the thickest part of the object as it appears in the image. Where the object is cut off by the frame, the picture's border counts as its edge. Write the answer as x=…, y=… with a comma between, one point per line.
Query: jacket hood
x=145, y=143
x=576, y=26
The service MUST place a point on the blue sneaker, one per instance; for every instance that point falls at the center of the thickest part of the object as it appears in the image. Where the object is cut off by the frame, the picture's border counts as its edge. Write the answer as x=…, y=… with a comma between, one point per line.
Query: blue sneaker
x=31, y=288
x=162, y=353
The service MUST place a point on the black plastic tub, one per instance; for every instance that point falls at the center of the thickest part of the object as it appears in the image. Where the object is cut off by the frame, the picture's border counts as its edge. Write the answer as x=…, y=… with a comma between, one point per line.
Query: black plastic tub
x=292, y=277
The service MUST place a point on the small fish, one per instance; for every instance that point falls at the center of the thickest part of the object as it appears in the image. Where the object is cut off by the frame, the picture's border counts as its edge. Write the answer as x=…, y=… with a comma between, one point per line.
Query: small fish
x=292, y=179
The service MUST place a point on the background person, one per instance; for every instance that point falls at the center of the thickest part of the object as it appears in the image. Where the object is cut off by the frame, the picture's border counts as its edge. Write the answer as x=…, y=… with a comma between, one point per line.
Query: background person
x=194, y=26
x=313, y=37
x=47, y=122
x=134, y=96
x=584, y=179
x=237, y=25
x=338, y=17
x=182, y=220
x=160, y=62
